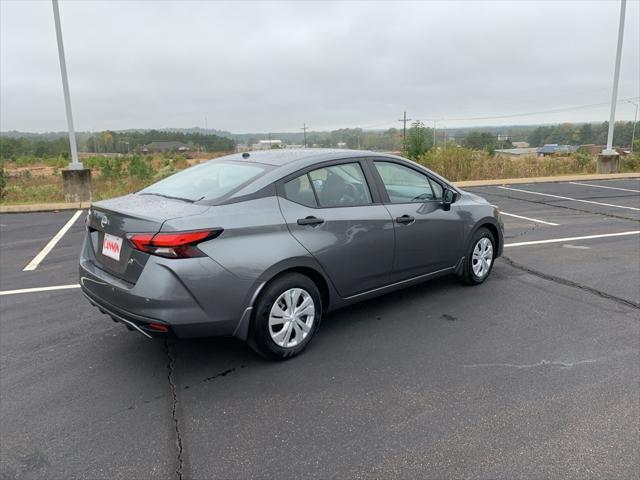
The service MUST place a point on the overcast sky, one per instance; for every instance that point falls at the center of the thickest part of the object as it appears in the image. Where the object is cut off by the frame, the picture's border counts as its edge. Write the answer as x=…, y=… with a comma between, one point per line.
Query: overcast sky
x=267, y=66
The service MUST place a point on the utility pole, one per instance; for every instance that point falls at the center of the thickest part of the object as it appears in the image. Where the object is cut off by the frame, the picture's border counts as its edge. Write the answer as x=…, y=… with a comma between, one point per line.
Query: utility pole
x=616, y=76
x=404, y=121
x=74, y=164
x=304, y=132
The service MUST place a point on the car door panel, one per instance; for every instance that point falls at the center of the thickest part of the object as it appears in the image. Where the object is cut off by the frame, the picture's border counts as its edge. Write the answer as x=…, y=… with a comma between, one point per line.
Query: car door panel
x=331, y=211
x=428, y=236
x=354, y=245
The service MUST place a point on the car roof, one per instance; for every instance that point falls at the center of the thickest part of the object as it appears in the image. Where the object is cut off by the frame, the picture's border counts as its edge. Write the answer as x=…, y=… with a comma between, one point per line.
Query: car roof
x=287, y=161
x=306, y=156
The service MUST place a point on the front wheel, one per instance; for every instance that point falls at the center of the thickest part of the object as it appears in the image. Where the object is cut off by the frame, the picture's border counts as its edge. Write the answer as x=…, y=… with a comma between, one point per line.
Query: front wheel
x=480, y=258
x=286, y=316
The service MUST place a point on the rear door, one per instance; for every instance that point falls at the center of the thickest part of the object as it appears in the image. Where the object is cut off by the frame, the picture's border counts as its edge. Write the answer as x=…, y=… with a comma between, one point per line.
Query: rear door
x=428, y=237
x=334, y=214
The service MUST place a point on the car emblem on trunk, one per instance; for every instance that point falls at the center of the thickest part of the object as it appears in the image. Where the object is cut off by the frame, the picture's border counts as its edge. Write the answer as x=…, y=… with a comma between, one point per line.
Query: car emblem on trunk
x=104, y=221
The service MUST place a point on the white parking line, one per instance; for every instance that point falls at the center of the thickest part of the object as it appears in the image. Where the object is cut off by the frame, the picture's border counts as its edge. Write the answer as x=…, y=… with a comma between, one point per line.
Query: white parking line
x=535, y=220
x=33, y=264
x=603, y=186
x=571, y=199
x=40, y=289
x=571, y=239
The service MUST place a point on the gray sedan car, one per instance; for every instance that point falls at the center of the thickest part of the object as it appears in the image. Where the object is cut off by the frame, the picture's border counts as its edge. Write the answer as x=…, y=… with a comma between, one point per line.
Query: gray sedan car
x=261, y=245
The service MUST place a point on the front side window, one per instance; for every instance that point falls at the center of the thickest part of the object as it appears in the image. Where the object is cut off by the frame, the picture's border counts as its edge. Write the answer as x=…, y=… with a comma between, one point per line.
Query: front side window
x=212, y=180
x=405, y=185
x=340, y=185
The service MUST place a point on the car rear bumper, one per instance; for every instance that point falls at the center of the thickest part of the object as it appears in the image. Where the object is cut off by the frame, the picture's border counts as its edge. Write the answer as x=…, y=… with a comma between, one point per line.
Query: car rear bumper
x=190, y=297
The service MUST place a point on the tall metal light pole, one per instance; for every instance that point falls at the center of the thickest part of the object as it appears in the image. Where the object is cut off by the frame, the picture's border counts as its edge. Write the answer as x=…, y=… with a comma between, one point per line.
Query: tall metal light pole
x=74, y=164
x=616, y=76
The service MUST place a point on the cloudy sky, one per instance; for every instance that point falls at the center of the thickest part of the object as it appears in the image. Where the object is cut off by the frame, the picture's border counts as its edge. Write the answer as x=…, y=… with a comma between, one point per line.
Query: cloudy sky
x=270, y=66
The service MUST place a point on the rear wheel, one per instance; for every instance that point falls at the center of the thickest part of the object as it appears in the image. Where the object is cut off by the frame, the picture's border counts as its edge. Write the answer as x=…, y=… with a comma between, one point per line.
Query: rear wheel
x=286, y=316
x=479, y=259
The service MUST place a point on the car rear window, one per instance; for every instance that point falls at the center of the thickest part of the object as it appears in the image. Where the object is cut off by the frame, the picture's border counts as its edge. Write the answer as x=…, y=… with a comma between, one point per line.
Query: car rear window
x=213, y=180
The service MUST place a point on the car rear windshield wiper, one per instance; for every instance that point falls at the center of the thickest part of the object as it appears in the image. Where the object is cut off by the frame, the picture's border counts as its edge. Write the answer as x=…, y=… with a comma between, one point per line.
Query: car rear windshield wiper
x=172, y=198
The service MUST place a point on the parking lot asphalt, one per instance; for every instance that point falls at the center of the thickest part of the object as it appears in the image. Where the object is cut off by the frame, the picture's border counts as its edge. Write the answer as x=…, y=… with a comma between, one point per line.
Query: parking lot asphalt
x=533, y=374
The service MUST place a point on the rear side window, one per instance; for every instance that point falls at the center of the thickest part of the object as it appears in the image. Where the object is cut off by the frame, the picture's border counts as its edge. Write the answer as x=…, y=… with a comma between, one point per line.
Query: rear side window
x=299, y=190
x=405, y=185
x=212, y=180
x=335, y=186
x=341, y=186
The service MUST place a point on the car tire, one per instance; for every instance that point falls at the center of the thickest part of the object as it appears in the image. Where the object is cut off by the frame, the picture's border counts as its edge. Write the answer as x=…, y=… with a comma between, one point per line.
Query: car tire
x=286, y=315
x=482, y=247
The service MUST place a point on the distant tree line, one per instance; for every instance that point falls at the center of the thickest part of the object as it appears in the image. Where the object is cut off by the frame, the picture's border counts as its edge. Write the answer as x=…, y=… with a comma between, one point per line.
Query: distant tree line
x=124, y=142
x=107, y=142
x=12, y=148
x=582, y=134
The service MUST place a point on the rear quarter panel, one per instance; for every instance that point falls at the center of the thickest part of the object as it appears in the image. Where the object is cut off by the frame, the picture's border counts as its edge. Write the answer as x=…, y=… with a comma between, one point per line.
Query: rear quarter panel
x=255, y=237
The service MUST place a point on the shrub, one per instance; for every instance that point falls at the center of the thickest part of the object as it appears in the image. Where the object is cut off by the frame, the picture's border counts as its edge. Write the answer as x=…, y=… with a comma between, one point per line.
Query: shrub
x=139, y=168
x=57, y=162
x=630, y=163
x=25, y=161
x=3, y=181
x=110, y=167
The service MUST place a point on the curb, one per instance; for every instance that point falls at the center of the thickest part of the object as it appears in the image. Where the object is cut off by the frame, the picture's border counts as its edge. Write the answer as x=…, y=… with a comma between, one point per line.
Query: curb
x=44, y=207
x=54, y=207
x=555, y=179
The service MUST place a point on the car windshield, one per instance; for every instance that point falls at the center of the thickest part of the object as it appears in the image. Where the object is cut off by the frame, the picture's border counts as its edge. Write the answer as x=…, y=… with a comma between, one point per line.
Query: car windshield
x=211, y=181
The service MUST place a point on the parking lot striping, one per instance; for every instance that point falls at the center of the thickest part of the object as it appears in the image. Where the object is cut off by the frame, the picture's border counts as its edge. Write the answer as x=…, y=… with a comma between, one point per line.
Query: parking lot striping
x=527, y=218
x=603, y=186
x=33, y=264
x=571, y=239
x=39, y=289
x=571, y=199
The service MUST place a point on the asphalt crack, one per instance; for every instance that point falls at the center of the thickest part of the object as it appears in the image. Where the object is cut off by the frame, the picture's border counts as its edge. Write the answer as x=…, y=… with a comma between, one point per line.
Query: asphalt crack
x=570, y=283
x=174, y=415
x=541, y=363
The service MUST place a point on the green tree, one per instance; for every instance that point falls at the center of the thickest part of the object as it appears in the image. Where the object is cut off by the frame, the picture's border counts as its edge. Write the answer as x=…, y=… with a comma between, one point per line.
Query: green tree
x=479, y=141
x=418, y=140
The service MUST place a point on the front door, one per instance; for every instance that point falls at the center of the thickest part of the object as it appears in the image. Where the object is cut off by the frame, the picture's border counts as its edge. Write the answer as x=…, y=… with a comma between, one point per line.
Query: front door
x=330, y=211
x=428, y=237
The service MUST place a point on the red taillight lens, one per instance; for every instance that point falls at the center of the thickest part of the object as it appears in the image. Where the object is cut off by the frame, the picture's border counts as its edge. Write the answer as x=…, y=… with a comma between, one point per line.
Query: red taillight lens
x=173, y=244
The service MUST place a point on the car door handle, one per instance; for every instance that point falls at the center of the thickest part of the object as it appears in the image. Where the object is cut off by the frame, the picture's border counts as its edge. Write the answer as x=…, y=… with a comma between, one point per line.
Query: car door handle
x=310, y=221
x=405, y=219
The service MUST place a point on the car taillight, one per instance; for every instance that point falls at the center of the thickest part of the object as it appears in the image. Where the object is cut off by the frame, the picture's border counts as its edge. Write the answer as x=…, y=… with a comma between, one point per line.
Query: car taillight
x=172, y=244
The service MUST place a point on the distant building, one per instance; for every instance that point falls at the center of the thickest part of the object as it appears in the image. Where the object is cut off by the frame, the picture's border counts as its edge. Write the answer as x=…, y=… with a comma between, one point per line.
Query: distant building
x=158, y=147
x=341, y=144
x=554, y=148
x=517, y=152
x=502, y=137
x=267, y=145
x=520, y=144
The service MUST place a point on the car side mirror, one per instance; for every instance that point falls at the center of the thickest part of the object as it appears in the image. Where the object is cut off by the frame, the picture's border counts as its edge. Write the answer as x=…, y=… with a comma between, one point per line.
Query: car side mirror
x=448, y=197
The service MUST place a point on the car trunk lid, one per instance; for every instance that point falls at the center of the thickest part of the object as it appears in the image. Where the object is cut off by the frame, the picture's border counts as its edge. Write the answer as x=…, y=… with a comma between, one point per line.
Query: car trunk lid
x=110, y=221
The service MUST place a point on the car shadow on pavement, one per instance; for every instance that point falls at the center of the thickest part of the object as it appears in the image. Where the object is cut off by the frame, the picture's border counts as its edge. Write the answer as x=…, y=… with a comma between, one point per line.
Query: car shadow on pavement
x=209, y=359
